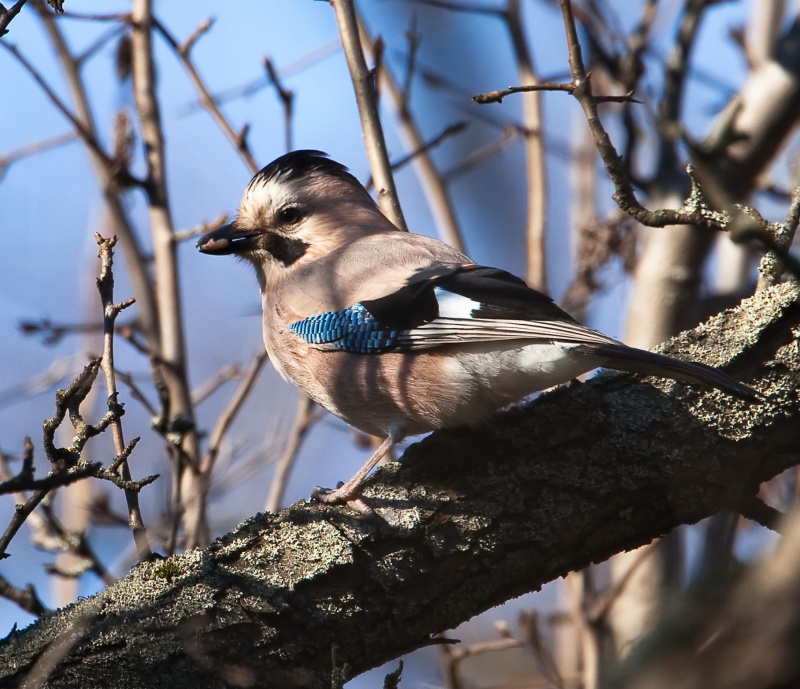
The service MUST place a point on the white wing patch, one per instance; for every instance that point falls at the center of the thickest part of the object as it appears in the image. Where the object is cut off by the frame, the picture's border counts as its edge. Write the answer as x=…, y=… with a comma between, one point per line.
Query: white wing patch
x=456, y=324
x=453, y=305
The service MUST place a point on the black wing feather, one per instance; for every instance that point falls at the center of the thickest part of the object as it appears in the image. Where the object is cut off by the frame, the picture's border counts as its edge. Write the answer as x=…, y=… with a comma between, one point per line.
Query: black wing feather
x=500, y=294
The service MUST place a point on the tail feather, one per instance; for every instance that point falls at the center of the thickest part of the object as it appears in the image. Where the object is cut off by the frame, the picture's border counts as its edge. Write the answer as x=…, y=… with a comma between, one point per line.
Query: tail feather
x=623, y=358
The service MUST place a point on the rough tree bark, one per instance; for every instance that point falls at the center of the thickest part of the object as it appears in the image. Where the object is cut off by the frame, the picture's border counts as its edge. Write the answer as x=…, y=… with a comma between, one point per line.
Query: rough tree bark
x=473, y=517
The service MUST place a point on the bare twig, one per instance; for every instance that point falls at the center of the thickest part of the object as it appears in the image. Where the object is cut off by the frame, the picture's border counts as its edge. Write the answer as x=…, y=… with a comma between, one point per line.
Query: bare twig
x=306, y=416
x=136, y=392
x=483, y=153
x=675, y=74
x=42, y=532
x=600, y=607
x=215, y=382
x=542, y=655
x=411, y=60
x=755, y=509
x=433, y=183
x=183, y=51
x=202, y=228
x=497, y=96
x=291, y=69
x=364, y=84
x=107, y=179
x=26, y=598
x=625, y=197
x=101, y=41
x=178, y=417
x=21, y=513
x=285, y=96
x=31, y=149
x=533, y=122
x=86, y=16
x=229, y=414
x=85, y=134
x=105, y=284
x=7, y=15
x=452, y=656
x=52, y=333
x=56, y=480
x=69, y=401
x=431, y=143
x=778, y=259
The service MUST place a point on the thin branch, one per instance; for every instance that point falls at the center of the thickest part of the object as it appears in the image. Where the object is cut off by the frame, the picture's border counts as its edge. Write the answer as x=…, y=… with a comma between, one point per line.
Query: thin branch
x=52, y=333
x=293, y=68
x=54, y=480
x=110, y=185
x=229, y=413
x=85, y=134
x=178, y=414
x=285, y=96
x=202, y=228
x=31, y=149
x=497, y=96
x=215, y=382
x=486, y=152
x=601, y=606
x=307, y=414
x=745, y=231
x=6, y=16
x=136, y=393
x=778, y=259
x=431, y=143
x=542, y=655
x=76, y=544
x=26, y=598
x=21, y=513
x=413, y=38
x=112, y=32
x=105, y=284
x=533, y=123
x=755, y=509
x=183, y=51
x=433, y=183
x=695, y=211
x=676, y=73
x=364, y=84
x=630, y=72
x=41, y=530
x=124, y=17
x=69, y=401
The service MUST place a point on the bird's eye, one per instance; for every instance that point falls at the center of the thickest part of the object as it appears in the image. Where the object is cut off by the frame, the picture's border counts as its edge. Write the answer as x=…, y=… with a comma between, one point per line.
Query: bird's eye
x=290, y=215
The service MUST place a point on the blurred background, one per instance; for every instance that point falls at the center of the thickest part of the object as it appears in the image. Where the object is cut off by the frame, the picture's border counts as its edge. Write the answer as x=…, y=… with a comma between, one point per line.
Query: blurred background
x=517, y=183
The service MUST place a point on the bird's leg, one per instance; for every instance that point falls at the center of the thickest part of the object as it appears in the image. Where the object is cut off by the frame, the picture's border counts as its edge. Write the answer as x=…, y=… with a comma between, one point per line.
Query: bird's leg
x=350, y=492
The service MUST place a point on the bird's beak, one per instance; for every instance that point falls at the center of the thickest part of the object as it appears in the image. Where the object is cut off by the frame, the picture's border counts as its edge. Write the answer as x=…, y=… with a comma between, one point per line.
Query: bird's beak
x=226, y=240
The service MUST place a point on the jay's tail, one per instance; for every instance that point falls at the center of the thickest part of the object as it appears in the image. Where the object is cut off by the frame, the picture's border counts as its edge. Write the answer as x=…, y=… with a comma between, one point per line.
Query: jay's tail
x=631, y=360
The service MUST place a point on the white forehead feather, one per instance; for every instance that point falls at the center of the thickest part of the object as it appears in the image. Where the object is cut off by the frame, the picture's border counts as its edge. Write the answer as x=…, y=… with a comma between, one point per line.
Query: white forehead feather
x=263, y=196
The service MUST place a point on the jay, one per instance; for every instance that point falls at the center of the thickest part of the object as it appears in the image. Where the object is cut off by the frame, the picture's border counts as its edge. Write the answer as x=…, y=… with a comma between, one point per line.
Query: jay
x=397, y=333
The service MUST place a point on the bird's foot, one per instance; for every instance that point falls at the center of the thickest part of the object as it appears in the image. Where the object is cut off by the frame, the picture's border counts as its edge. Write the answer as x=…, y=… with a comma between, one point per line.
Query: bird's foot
x=342, y=494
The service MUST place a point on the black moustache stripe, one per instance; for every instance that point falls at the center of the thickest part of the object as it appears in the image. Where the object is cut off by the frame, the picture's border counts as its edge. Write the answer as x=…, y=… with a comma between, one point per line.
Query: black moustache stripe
x=287, y=250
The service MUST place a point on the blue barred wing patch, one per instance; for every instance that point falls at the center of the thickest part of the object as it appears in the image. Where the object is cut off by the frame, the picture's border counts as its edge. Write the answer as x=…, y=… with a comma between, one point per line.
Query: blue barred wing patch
x=352, y=330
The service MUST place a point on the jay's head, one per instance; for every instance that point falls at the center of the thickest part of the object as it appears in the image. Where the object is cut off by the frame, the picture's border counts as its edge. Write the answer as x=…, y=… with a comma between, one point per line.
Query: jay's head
x=300, y=206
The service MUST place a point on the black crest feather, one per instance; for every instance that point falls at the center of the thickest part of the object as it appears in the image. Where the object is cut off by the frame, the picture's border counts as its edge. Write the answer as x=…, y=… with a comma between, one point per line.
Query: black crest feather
x=299, y=164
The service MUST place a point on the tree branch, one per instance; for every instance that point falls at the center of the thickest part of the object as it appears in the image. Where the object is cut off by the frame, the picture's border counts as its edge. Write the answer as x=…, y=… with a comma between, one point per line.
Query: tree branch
x=7, y=15
x=105, y=285
x=364, y=85
x=472, y=518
